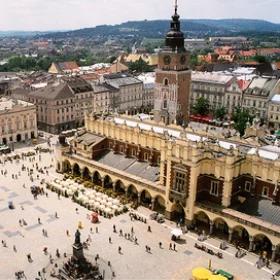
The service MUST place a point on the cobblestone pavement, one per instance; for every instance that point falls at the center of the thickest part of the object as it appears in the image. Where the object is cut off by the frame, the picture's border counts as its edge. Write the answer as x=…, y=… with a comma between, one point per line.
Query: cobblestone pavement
x=133, y=263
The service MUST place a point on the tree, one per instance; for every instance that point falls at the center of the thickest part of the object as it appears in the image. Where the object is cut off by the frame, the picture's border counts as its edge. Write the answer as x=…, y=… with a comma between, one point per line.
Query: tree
x=260, y=58
x=139, y=66
x=202, y=106
x=220, y=113
x=241, y=117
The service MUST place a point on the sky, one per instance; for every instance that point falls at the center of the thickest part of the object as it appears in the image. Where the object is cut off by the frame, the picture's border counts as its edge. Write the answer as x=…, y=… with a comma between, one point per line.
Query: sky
x=41, y=15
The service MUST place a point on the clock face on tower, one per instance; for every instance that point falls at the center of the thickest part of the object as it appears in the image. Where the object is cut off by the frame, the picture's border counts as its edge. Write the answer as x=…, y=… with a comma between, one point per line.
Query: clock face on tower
x=183, y=59
x=167, y=60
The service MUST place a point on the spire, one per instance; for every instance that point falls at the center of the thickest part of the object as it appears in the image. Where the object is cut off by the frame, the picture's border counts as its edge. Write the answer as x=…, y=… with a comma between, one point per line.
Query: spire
x=175, y=38
x=176, y=6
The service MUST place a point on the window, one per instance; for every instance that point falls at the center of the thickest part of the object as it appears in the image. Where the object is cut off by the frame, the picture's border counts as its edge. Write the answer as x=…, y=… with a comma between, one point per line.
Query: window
x=265, y=191
x=165, y=104
x=165, y=82
x=248, y=186
x=214, y=188
x=134, y=153
x=180, y=181
x=146, y=156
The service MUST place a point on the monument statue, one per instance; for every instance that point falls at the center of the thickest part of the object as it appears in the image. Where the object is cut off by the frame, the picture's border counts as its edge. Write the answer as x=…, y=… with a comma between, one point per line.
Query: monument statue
x=77, y=237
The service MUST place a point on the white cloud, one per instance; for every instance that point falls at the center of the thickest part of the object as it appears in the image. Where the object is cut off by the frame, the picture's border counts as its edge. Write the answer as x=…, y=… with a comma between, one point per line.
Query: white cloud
x=72, y=14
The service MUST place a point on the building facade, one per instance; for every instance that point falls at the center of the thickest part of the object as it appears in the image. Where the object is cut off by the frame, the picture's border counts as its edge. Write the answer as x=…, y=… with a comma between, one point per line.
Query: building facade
x=257, y=95
x=17, y=121
x=214, y=87
x=214, y=187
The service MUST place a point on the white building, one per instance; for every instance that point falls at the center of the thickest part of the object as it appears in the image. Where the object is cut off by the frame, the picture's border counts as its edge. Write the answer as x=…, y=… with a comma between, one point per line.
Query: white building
x=17, y=121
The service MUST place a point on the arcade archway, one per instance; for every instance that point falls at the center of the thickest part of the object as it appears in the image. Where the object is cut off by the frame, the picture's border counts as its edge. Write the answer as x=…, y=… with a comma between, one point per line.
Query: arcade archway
x=159, y=204
x=146, y=198
x=76, y=170
x=240, y=237
x=97, y=178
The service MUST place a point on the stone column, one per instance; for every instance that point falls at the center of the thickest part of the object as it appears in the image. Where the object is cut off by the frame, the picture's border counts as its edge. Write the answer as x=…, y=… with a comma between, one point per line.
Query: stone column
x=139, y=198
x=153, y=204
x=195, y=170
x=273, y=256
x=211, y=226
x=230, y=232
x=226, y=200
x=251, y=243
x=126, y=192
x=114, y=186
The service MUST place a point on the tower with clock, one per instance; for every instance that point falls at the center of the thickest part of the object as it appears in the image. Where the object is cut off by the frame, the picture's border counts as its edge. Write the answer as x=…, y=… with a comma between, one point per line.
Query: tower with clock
x=173, y=77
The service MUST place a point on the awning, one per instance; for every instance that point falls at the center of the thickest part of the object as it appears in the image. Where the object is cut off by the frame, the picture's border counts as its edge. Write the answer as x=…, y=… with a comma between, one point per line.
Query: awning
x=177, y=232
x=201, y=273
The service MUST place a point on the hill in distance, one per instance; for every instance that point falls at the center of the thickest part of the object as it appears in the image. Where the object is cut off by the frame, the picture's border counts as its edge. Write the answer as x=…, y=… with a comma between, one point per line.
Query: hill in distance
x=156, y=28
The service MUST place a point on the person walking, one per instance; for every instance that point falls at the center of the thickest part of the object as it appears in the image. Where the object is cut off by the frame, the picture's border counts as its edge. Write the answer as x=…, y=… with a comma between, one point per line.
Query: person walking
x=110, y=240
x=120, y=250
x=174, y=247
x=160, y=245
x=170, y=246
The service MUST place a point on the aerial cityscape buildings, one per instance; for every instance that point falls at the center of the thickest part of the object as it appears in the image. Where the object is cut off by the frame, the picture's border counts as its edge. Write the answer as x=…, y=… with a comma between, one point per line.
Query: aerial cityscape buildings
x=161, y=156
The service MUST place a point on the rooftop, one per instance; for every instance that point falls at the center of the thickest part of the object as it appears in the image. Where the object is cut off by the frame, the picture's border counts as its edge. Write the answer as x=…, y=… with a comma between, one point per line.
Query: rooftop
x=7, y=104
x=88, y=139
x=261, y=208
x=54, y=92
x=211, y=77
x=177, y=133
x=118, y=80
x=130, y=165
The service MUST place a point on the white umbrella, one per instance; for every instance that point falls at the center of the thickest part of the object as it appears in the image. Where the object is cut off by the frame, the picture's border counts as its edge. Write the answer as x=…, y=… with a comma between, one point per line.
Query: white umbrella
x=109, y=203
x=108, y=210
x=177, y=232
x=97, y=204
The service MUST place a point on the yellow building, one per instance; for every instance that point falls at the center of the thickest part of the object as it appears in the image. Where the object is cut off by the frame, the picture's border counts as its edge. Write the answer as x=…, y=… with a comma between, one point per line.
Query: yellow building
x=215, y=186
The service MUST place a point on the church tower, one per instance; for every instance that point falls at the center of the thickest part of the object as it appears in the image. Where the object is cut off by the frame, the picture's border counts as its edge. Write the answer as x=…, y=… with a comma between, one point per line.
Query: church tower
x=173, y=77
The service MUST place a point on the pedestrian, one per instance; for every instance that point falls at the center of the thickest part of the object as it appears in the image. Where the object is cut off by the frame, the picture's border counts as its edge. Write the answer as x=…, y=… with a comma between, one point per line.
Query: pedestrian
x=121, y=232
x=57, y=253
x=29, y=258
x=67, y=233
x=15, y=248
x=110, y=240
x=160, y=245
x=120, y=249
x=55, y=215
x=39, y=221
x=96, y=229
x=114, y=229
x=132, y=230
x=174, y=247
x=170, y=246
x=109, y=263
x=149, y=229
